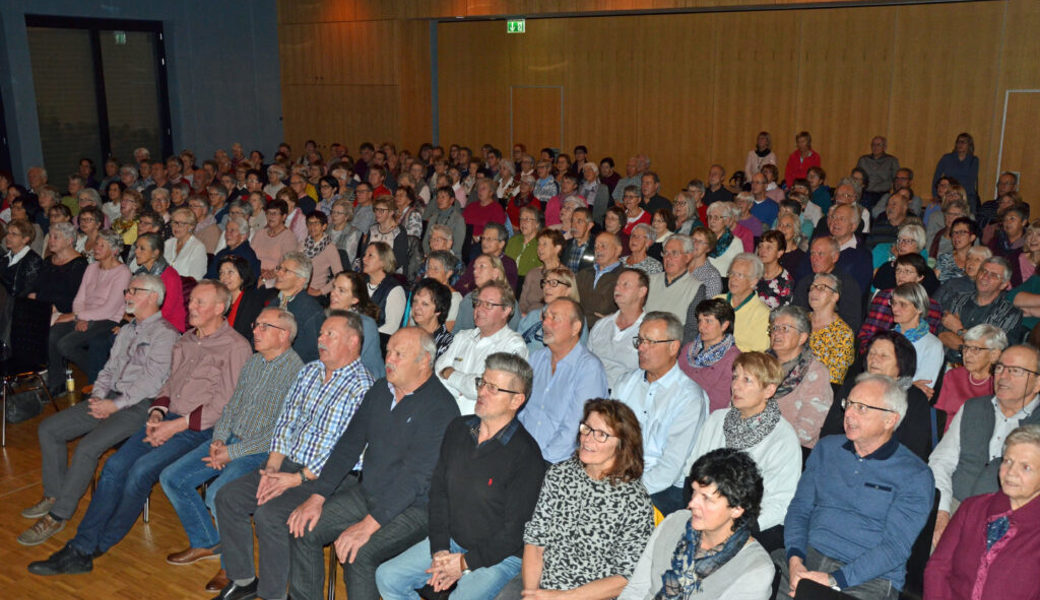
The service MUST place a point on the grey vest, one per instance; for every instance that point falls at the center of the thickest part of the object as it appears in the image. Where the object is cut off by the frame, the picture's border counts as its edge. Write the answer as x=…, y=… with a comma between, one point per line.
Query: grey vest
x=976, y=473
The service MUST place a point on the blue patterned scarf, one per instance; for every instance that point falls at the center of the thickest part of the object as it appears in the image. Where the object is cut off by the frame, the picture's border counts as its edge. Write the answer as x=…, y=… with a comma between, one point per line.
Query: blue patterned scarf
x=684, y=577
x=722, y=244
x=701, y=357
x=914, y=334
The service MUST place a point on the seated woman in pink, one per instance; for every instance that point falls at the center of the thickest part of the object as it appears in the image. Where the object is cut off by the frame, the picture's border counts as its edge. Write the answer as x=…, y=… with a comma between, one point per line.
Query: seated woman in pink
x=982, y=347
x=708, y=358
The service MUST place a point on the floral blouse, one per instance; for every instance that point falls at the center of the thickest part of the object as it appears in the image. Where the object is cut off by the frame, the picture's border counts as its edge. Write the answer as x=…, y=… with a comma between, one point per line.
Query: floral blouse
x=776, y=292
x=834, y=346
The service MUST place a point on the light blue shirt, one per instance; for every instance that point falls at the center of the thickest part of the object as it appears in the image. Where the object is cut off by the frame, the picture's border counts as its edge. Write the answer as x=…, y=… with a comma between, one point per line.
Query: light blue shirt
x=553, y=413
x=600, y=272
x=671, y=412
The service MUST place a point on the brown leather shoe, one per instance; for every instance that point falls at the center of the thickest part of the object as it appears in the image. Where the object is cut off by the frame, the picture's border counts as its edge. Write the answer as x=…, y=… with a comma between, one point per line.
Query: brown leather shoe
x=218, y=582
x=191, y=556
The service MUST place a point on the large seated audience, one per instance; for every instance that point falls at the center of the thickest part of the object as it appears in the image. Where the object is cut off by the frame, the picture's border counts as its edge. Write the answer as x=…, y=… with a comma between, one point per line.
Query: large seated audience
x=522, y=374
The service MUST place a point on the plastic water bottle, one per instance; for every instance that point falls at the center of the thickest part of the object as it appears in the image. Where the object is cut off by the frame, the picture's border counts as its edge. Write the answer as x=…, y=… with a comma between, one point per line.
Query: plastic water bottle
x=70, y=385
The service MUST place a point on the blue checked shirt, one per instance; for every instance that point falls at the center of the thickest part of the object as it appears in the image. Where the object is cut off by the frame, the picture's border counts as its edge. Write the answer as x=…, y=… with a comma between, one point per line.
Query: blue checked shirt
x=316, y=413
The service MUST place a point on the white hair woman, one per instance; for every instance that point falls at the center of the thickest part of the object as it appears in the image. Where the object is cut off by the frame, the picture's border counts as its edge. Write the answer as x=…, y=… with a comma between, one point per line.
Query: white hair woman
x=991, y=542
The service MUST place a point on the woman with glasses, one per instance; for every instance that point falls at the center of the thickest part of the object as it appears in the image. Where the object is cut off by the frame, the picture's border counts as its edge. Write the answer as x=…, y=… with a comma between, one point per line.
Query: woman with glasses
x=328, y=192
x=889, y=353
x=323, y=254
x=909, y=307
x=593, y=516
x=751, y=323
x=981, y=349
x=486, y=268
x=685, y=207
x=639, y=243
x=386, y=230
x=184, y=251
x=708, y=358
x=721, y=220
x=148, y=256
x=614, y=222
x=963, y=234
x=805, y=394
x=550, y=249
x=89, y=221
x=96, y=309
x=523, y=246
x=710, y=550
x=909, y=240
x=832, y=341
x=555, y=283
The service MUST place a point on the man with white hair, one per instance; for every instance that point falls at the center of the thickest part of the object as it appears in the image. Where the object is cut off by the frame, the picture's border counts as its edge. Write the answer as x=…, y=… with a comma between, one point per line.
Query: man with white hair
x=987, y=303
x=968, y=458
x=204, y=371
x=823, y=258
x=861, y=501
x=675, y=290
x=137, y=366
x=236, y=236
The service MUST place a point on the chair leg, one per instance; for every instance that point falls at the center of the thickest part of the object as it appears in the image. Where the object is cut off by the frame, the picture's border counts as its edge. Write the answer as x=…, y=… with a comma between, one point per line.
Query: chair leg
x=332, y=573
x=3, y=417
x=144, y=515
x=43, y=386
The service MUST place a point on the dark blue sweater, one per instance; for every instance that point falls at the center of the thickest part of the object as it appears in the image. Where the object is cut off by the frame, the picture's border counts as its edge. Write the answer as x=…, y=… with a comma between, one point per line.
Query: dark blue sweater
x=864, y=512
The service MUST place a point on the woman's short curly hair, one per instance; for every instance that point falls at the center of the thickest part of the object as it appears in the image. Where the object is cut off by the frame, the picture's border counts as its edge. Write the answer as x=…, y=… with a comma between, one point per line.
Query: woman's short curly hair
x=737, y=479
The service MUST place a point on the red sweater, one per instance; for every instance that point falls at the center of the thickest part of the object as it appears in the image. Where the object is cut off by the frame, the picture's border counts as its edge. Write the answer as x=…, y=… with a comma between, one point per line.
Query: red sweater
x=798, y=167
x=962, y=569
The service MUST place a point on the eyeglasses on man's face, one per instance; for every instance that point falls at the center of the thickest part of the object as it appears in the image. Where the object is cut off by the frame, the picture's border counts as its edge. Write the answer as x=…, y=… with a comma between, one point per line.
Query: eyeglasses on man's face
x=639, y=341
x=490, y=387
x=861, y=408
x=261, y=326
x=1012, y=370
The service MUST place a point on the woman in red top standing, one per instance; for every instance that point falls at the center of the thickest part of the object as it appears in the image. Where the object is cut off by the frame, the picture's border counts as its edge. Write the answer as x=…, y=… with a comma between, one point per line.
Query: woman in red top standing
x=802, y=159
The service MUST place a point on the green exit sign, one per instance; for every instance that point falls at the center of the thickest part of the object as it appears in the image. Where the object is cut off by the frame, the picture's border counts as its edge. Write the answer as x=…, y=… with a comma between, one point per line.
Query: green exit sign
x=516, y=26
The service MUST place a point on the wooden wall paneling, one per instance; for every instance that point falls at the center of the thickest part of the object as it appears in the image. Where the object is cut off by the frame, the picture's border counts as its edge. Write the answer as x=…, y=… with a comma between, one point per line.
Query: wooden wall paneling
x=944, y=84
x=756, y=59
x=473, y=90
x=844, y=81
x=1020, y=153
x=536, y=116
x=414, y=83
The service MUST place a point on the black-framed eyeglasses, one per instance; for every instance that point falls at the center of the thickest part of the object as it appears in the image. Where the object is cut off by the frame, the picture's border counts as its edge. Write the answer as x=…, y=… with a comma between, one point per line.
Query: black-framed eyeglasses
x=861, y=408
x=1013, y=371
x=479, y=303
x=597, y=434
x=265, y=326
x=134, y=290
x=553, y=283
x=639, y=341
x=494, y=389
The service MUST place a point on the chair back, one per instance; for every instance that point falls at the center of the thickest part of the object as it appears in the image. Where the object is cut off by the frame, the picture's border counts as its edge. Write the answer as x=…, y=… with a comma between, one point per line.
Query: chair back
x=30, y=329
x=187, y=285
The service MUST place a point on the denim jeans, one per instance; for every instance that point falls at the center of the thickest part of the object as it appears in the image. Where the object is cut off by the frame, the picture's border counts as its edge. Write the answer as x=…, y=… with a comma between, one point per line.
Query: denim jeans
x=125, y=483
x=398, y=578
x=181, y=480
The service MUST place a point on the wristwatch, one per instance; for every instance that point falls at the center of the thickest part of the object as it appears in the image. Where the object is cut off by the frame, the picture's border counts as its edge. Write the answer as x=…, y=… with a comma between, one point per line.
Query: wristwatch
x=463, y=567
x=303, y=476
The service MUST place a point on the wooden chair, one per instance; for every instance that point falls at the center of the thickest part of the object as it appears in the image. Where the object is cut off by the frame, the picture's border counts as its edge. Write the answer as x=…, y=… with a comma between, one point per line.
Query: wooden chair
x=30, y=329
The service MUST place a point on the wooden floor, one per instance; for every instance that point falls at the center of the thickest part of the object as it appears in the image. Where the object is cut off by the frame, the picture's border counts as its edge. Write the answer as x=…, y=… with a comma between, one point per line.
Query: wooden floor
x=135, y=568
